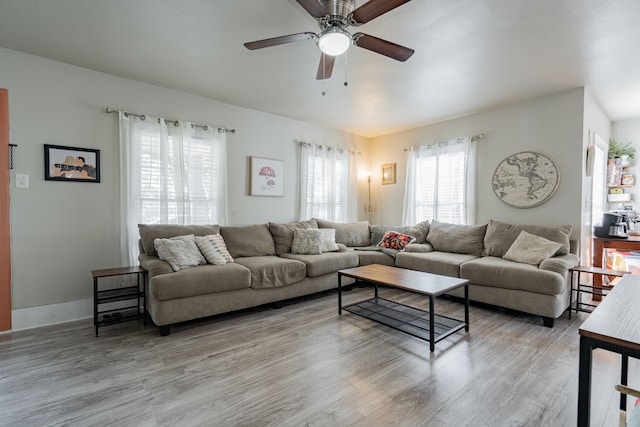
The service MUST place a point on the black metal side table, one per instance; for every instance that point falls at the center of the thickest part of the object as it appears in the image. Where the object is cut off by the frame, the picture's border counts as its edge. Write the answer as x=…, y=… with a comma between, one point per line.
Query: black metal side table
x=580, y=289
x=134, y=294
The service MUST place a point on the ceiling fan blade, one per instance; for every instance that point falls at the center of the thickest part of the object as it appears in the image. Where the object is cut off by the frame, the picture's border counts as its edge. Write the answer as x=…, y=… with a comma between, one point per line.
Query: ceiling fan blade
x=259, y=44
x=325, y=68
x=313, y=7
x=382, y=47
x=374, y=8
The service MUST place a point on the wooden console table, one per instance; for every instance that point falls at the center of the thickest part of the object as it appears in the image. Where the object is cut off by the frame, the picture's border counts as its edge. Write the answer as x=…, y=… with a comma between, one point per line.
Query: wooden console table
x=632, y=243
x=614, y=325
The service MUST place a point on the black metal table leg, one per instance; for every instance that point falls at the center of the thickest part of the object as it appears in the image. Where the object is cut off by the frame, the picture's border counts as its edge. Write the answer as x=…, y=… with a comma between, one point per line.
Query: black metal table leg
x=624, y=376
x=339, y=294
x=466, y=307
x=432, y=332
x=584, y=382
x=95, y=303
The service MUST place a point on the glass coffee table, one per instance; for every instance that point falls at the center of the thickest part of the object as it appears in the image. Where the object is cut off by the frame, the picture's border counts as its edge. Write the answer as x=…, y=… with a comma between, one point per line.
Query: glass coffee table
x=422, y=324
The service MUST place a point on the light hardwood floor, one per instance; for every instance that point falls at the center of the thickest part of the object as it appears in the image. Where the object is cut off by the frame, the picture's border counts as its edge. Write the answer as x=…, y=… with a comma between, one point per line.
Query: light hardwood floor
x=303, y=365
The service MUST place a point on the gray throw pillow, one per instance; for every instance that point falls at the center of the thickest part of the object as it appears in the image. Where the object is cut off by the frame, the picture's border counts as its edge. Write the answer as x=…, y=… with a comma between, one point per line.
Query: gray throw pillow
x=456, y=238
x=531, y=249
x=283, y=234
x=150, y=232
x=307, y=241
x=180, y=252
x=501, y=235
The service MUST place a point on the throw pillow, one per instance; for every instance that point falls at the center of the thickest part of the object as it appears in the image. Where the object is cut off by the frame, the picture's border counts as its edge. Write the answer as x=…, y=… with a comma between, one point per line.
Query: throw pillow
x=501, y=235
x=329, y=240
x=419, y=231
x=214, y=249
x=180, y=252
x=395, y=240
x=307, y=241
x=531, y=249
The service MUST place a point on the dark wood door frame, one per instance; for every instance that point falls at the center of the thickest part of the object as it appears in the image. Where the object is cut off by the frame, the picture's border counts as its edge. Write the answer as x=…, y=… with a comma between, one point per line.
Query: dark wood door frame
x=5, y=250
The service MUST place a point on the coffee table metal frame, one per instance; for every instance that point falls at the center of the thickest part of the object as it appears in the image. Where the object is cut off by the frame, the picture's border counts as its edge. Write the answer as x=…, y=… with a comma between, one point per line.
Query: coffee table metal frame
x=404, y=318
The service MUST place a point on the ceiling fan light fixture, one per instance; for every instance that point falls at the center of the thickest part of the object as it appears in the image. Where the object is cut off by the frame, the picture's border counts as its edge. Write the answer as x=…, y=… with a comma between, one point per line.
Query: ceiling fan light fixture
x=334, y=41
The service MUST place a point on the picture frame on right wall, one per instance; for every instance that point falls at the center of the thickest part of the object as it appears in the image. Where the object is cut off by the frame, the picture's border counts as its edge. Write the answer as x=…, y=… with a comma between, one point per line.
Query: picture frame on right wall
x=388, y=173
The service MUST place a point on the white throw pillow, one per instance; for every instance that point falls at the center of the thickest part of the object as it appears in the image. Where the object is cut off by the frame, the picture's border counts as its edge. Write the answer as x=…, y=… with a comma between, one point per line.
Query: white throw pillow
x=531, y=249
x=329, y=240
x=180, y=251
x=214, y=249
x=307, y=241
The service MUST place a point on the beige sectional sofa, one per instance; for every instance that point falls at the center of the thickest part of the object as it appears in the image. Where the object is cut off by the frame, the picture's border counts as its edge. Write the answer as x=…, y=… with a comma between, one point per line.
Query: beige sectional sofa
x=266, y=271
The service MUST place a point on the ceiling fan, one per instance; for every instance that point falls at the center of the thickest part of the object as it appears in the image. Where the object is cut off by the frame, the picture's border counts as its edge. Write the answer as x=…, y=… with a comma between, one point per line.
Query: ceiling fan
x=334, y=17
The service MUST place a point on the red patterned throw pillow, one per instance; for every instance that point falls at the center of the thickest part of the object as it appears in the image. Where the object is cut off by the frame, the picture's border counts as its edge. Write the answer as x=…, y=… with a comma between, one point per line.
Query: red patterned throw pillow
x=395, y=240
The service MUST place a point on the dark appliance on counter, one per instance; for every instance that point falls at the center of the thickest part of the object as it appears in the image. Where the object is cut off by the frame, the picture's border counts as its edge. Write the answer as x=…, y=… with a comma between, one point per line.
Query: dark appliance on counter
x=613, y=225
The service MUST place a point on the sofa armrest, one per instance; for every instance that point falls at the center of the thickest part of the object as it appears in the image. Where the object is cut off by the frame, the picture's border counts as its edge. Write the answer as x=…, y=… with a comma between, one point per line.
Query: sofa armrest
x=154, y=265
x=559, y=264
x=419, y=248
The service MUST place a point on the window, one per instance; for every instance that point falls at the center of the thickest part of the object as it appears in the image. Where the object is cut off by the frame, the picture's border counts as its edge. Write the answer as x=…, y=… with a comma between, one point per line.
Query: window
x=441, y=183
x=326, y=181
x=173, y=173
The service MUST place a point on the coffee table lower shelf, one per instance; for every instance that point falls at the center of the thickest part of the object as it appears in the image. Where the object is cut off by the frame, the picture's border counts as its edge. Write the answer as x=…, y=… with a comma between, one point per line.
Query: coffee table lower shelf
x=405, y=318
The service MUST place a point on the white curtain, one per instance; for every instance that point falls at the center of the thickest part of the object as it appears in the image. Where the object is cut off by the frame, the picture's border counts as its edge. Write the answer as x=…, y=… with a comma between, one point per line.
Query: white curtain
x=441, y=183
x=171, y=173
x=327, y=183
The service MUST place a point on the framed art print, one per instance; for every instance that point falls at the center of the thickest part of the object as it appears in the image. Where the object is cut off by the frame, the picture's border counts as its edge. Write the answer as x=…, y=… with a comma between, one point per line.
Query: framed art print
x=388, y=173
x=267, y=177
x=71, y=164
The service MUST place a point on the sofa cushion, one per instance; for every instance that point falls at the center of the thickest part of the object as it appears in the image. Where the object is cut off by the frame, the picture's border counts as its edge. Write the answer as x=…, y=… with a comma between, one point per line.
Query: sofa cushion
x=201, y=280
x=457, y=238
x=502, y=273
x=531, y=249
x=500, y=236
x=283, y=234
x=330, y=262
x=419, y=231
x=350, y=233
x=273, y=271
x=250, y=240
x=419, y=247
x=151, y=232
x=214, y=249
x=445, y=263
x=374, y=256
x=180, y=252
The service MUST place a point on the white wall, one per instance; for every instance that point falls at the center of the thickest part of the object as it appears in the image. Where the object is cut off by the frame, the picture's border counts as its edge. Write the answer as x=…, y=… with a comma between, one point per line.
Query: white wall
x=61, y=231
x=629, y=131
x=595, y=120
x=551, y=125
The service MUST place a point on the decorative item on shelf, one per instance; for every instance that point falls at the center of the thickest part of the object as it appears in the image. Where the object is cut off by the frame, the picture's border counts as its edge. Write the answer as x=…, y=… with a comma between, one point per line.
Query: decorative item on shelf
x=614, y=173
x=617, y=150
x=628, y=179
x=388, y=173
x=616, y=190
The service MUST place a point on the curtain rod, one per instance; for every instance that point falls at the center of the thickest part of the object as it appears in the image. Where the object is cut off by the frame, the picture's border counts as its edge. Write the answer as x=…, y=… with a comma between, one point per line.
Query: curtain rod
x=473, y=138
x=142, y=116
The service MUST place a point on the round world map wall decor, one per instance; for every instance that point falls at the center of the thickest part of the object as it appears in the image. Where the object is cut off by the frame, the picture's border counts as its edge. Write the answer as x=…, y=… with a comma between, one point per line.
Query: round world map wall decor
x=525, y=179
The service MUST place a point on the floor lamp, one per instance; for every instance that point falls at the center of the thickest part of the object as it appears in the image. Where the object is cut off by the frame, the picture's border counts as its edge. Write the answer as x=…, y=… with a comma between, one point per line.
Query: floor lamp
x=369, y=208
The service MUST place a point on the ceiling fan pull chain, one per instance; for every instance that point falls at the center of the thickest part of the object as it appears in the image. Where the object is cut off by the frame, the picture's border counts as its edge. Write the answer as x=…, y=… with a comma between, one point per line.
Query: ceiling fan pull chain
x=346, y=56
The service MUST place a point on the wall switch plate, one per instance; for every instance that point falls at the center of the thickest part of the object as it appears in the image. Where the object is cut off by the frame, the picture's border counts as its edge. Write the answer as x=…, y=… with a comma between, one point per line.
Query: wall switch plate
x=22, y=180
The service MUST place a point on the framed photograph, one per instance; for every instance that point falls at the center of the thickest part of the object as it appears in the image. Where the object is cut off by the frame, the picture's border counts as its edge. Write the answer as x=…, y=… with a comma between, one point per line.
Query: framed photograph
x=388, y=173
x=267, y=177
x=71, y=164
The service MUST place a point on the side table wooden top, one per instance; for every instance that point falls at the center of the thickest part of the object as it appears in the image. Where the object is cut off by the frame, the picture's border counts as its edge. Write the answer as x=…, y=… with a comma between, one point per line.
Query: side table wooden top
x=616, y=320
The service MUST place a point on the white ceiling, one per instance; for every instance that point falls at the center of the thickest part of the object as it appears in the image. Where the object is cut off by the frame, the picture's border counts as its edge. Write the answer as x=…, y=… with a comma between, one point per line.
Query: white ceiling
x=471, y=55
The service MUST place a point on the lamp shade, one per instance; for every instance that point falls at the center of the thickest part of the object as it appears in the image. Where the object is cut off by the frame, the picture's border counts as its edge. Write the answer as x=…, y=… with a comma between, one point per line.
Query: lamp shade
x=334, y=41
